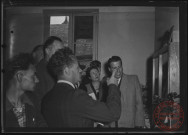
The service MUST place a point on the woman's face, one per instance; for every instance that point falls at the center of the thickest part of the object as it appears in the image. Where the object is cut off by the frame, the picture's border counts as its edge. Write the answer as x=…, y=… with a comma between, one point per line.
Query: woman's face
x=94, y=75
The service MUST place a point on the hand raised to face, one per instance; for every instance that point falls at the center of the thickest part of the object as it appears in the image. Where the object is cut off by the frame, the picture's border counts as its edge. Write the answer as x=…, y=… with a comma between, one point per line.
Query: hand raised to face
x=113, y=79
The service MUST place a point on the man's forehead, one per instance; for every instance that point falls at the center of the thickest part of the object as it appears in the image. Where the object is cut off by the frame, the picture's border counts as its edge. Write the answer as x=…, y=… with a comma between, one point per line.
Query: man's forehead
x=57, y=43
x=75, y=61
x=115, y=63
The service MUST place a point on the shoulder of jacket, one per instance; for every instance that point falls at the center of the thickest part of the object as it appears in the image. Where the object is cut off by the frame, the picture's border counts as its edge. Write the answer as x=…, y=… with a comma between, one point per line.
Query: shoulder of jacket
x=132, y=76
x=80, y=96
x=79, y=92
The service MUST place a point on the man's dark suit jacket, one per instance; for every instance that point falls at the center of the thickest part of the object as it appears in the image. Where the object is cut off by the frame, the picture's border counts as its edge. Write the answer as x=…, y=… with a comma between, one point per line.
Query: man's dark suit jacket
x=64, y=106
x=46, y=81
x=33, y=115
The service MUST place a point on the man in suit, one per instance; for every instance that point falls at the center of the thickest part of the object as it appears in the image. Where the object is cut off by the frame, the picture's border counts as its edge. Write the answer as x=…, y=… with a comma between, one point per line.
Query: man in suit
x=64, y=106
x=132, y=111
x=21, y=106
x=46, y=81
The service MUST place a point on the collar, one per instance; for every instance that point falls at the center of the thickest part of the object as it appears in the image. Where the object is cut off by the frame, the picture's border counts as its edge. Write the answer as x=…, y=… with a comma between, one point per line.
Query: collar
x=119, y=80
x=25, y=99
x=64, y=81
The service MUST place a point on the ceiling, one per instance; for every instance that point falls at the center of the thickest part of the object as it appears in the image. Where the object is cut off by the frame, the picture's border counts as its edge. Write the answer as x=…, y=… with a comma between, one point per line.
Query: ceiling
x=9, y=3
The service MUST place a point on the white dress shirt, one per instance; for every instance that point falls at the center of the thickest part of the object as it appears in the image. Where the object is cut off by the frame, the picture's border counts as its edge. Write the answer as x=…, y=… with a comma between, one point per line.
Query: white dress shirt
x=119, y=80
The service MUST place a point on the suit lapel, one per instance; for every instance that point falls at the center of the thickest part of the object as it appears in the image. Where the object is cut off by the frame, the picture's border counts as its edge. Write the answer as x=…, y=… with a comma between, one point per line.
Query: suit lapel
x=123, y=87
x=123, y=82
x=119, y=83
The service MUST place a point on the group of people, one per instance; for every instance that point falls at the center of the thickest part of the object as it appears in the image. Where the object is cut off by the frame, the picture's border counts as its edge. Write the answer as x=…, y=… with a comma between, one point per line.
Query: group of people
x=48, y=88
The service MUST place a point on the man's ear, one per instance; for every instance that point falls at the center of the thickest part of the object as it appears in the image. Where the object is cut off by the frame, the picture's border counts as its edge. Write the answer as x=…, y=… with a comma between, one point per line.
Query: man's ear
x=47, y=50
x=66, y=71
x=19, y=76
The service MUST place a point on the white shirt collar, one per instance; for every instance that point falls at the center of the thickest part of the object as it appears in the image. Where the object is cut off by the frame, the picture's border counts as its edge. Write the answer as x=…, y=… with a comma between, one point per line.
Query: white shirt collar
x=119, y=80
x=64, y=81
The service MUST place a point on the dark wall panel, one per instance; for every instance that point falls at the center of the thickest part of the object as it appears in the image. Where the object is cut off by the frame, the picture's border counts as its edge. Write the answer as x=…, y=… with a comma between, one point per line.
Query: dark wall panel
x=24, y=31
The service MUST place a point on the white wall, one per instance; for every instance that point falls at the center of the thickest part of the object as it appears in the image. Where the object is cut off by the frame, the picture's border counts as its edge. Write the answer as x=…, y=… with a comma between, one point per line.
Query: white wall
x=129, y=35
x=23, y=32
x=165, y=17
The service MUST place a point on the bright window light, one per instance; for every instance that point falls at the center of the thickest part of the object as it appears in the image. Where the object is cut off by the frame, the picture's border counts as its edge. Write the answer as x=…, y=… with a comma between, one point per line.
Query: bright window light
x=58, y=19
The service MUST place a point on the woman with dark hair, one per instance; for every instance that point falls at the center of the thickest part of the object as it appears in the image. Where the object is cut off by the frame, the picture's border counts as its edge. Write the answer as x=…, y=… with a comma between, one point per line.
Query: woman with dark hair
x=85, y=79
x=93, y=88
x=97, y=64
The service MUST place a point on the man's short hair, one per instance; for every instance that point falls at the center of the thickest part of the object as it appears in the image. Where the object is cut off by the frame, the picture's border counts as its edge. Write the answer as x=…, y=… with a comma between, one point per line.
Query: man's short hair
x=19, y=62
x=62, y=58
x=49, y=41
x=114, y=59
